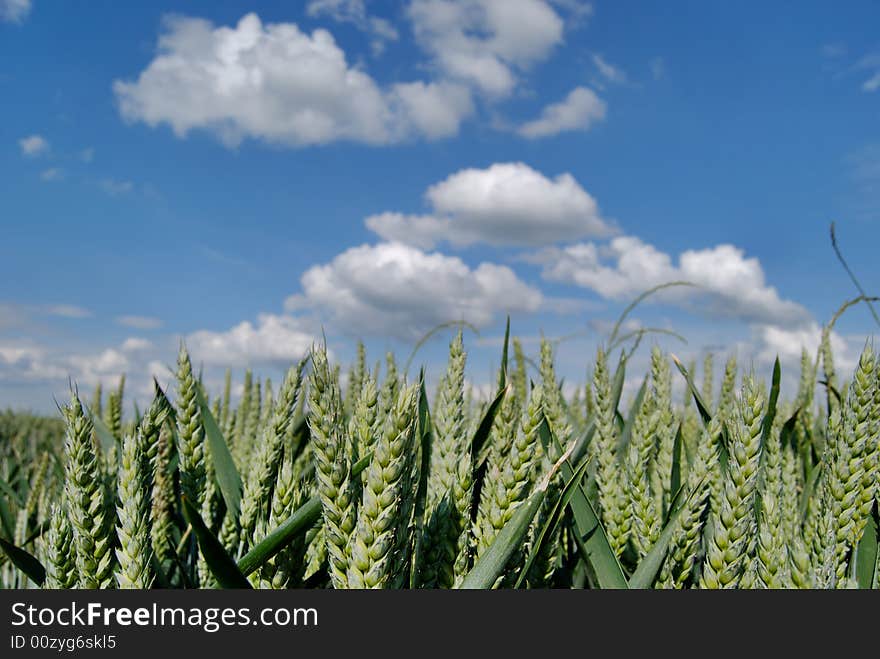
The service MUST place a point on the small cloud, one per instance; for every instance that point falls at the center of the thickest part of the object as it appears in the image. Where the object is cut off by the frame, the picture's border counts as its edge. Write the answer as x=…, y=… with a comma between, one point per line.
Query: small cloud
x=33, y=146
x=135, y=344
x=139, y=322
x=52, y=174
x=115, y=188
x=222, y=257
x=67, y=311
x=354, y=12
x=608, y=71
x=87, y=155
x=871, y=64
x=485, y=45
x=578, y=111
x=872, y=84
x=833, y=50
x=14, y=11
x=578, y=9
x=658, y=68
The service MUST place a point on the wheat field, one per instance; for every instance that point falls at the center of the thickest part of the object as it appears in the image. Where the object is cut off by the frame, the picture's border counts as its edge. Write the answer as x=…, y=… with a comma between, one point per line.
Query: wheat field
x=377, y=485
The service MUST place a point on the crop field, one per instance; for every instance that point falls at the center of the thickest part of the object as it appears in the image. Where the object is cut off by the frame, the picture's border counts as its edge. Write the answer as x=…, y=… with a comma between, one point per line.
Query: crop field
x=425, y=295
x=312, y=484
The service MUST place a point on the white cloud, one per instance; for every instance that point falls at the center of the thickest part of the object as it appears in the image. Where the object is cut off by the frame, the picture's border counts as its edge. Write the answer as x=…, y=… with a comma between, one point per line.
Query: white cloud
x=14, y=11
x=278, y=84
x=484, y=42
x=637, y=267
x=504, y=204
x=434, y=110
x=729, y=283
x=136, y=344
x=578, y=8
x=872, y=84
x=12, y=354
x=770, y=341
x=422, y=231
x=871, y=64
x=788, y=343
x=658, y=68
x=52, y=174
x=578, y=111
x=160, y=371
x=355, y=12
x=833, y=50
x=115, y=188
x=33, y=146
x=608, y=71
x=398, y=290
x=106, y=366
x=273, y=340
x=27, y=362
x=19, y=316
x=35, y=363
x=139, y=322
x=67, y=311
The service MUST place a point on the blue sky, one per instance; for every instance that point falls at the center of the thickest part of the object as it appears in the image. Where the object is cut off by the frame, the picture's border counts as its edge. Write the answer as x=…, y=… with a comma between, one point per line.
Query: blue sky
x=242, y=175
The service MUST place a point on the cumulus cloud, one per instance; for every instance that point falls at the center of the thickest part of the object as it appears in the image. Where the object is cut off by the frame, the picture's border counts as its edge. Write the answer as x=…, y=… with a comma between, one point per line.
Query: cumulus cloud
x=433, y=109
x=271, y=341
x=24, y=362
x=729, y=283
x=278, y=84
x=355, y=12
x=504, y=204
x=399, y=290
x=422, y=231
x=788, y=343
x=579, y=9
x=274, y=339
x=578, y=111
x=13, y=354
x=484, y=42
x=33, y=146
x=139, y=322
x=770, y=341
x=107, y=365
x=14, y=11
x=136, y=344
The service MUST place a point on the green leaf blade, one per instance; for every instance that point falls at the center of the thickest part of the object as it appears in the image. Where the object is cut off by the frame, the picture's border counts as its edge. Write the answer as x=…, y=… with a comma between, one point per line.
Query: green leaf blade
x=25, y=562
x=225, y=471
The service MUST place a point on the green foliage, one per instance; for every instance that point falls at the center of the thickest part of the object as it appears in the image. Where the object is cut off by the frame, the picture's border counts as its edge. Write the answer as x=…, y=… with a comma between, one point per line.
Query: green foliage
x=539, y=485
